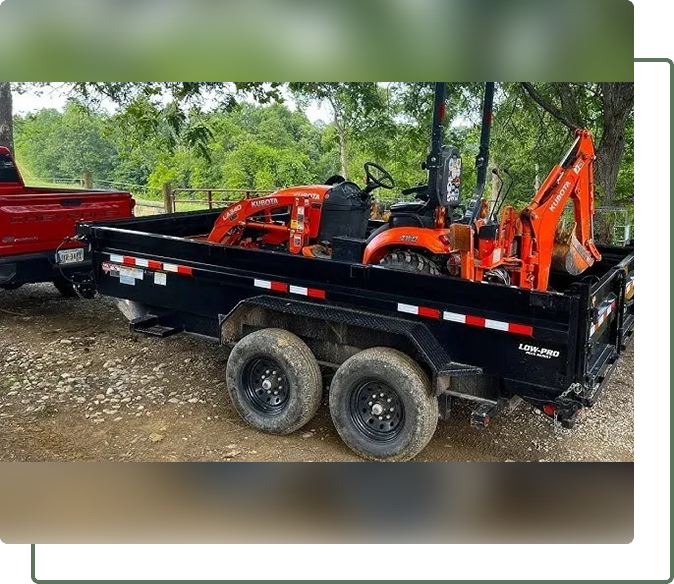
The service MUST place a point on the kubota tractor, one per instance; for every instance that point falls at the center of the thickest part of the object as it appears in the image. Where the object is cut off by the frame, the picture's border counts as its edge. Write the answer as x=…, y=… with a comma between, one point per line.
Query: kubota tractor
x=435, y=234
x=303, y=220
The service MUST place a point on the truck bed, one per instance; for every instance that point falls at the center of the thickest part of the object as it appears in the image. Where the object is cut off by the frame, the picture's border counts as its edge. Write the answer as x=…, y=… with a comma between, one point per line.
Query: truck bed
x=479, y=341
x=35, y=221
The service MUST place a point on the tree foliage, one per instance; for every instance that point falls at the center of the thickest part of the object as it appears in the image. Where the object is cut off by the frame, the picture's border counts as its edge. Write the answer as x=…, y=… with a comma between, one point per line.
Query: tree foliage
x=352, y=104
x=606, y=109
x=65, y=144
x=221, y=135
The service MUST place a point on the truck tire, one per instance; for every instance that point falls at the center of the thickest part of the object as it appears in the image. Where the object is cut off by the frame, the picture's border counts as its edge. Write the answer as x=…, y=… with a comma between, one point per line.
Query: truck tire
x=65, y=287
x=274, y=381
x=381, y=405
x=409, y=261
x=10, y=287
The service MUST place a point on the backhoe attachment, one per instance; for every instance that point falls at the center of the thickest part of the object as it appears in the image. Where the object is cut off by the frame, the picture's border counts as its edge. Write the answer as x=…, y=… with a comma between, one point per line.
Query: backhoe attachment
x=571, y=256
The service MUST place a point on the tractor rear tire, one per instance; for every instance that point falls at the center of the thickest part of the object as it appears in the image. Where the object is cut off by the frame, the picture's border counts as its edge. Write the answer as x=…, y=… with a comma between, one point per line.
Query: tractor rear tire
x=382, y=405
x=409, y=261
x=274, y=381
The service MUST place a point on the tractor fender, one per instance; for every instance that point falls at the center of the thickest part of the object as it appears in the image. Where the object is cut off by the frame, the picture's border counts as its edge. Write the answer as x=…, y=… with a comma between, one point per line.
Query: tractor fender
x=430, y=240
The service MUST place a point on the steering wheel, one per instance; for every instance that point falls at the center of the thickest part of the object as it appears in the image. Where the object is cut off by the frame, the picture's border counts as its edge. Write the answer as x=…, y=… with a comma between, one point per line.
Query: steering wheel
x=378, y=176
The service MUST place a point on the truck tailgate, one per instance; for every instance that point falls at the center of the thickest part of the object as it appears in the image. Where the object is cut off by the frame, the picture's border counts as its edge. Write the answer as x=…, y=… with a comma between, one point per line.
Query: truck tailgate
x=31, y=223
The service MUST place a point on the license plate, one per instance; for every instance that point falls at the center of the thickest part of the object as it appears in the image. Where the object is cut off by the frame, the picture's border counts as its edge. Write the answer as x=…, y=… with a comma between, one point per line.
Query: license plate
x=71, y=256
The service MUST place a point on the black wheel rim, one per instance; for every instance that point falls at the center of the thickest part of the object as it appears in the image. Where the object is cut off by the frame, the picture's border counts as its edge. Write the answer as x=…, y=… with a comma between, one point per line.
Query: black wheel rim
x=265, y=386
x=377, y=411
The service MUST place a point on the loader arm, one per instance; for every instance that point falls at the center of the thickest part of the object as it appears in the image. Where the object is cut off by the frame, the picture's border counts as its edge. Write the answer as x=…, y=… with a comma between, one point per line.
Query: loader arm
x=572, y=179
x=289, y=217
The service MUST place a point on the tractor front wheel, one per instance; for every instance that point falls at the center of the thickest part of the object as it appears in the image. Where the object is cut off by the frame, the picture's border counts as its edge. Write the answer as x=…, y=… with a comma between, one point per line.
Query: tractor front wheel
x=409, y=261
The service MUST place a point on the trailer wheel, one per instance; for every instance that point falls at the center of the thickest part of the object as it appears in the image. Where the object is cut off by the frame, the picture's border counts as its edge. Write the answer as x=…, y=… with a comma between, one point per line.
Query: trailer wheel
x=64, y=287
x=381, y=405
x=408, y=261
x=274, y=381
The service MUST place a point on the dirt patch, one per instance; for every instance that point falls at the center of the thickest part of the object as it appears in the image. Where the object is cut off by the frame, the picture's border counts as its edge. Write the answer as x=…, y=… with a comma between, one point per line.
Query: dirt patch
x=77, y=385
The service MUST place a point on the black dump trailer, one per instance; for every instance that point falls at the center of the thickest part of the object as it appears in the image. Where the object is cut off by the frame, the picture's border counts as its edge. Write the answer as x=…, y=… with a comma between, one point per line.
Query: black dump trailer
x=404, y=346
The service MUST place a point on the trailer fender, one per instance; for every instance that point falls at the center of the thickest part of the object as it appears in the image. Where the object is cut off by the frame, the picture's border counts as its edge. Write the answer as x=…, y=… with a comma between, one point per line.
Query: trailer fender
x=335, y=333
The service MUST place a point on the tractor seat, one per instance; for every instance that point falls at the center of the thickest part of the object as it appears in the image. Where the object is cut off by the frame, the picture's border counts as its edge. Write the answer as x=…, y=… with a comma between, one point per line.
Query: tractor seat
x=407, y=208
x=409, y=214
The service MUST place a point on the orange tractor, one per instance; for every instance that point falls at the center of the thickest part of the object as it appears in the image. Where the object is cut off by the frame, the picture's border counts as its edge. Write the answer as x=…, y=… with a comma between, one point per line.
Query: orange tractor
x=434, y=234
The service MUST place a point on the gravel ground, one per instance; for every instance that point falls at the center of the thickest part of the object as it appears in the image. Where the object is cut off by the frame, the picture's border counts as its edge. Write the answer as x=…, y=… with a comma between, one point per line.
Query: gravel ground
x=76, y=384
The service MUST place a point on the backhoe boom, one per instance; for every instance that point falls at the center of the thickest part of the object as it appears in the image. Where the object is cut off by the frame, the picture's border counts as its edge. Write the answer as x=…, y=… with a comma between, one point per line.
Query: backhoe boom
x=571, y=180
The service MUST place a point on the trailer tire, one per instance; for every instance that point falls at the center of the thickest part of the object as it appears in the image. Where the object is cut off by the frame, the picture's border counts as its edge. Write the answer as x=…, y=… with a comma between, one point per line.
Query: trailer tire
x=409, y=261
x=402, y=391
x=65, y=287
x=274, y=381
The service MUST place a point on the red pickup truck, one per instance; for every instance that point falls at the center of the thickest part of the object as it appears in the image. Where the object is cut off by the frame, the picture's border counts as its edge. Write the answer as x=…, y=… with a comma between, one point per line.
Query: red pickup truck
x=35, y=222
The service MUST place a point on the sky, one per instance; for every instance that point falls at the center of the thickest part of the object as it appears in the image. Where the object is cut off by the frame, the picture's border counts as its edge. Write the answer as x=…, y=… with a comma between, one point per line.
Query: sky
x=32, y=101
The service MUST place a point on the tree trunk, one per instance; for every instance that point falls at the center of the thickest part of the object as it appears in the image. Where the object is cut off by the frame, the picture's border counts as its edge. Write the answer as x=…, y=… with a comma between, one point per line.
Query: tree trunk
x=6, y=124
x=341, y=133
x=343, y=157
x=618, y=100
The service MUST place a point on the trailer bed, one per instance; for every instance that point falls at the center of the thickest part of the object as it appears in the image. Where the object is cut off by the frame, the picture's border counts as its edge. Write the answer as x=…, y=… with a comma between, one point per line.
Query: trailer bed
x=482, y=342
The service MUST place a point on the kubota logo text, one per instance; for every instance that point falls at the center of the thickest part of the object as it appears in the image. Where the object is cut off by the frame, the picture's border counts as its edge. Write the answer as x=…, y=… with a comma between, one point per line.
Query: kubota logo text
x=560, y=196
x=264, y=203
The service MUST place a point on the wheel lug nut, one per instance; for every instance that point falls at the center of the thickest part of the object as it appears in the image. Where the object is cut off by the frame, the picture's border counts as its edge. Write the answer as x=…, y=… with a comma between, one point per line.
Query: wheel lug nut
x=267, y=372
x=389, y=400
x=381, y=395
x=388, y=417
x=371, y=404
x=392, y=410
x=380, y=418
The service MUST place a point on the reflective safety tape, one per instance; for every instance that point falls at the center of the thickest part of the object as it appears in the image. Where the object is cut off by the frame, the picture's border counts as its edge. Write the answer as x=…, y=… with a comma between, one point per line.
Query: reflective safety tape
x=290, y=289
x=604, y=313
x=478, y=321
x=419, y=311
x=497, y=325
x=150, y=264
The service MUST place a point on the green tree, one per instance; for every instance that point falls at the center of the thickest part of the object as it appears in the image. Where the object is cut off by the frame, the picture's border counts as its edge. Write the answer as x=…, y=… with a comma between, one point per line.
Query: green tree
x=605, y=108
x=66, y=144
x=352, y=105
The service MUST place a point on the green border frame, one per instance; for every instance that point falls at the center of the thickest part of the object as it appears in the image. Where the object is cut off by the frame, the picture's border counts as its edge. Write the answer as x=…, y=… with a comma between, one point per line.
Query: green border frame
x=438, y=562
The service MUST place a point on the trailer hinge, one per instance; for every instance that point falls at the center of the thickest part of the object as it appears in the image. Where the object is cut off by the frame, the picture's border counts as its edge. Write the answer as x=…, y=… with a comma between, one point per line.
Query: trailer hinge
x=360, y=272
x=542, y=300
